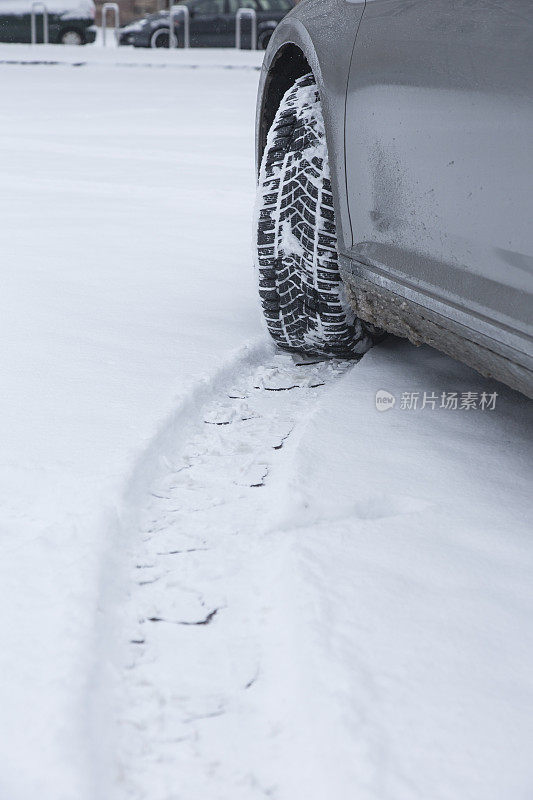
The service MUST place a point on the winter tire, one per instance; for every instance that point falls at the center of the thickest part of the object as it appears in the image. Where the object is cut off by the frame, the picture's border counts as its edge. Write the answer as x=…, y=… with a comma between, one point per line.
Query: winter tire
x=302, y=294
x=160, y=37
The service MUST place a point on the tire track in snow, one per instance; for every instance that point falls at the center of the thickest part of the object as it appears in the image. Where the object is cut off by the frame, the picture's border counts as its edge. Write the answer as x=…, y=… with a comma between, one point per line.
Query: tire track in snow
x=200, y=580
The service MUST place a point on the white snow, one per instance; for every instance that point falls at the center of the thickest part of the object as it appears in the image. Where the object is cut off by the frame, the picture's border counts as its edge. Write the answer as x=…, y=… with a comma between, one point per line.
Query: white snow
x=126, y=279
x=225, y=575
x=111, y=55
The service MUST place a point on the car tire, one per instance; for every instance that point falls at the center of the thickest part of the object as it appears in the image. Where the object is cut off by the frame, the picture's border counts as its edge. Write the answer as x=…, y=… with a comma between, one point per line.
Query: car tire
x=302, y=295
x=160, y=37
x=71, y=36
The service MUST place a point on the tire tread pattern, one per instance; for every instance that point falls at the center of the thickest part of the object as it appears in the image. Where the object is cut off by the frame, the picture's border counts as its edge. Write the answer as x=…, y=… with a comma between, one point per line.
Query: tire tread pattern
x=301, y=291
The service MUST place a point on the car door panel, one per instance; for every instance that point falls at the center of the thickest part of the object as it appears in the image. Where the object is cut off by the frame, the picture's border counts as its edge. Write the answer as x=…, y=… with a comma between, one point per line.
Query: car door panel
x=15, y=25
x=204, y=30
x=209, y=23
x=438, y=154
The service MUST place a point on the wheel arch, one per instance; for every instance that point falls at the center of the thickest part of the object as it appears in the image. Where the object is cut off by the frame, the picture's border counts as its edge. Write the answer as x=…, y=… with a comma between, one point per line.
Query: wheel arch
x=66, y=27
x=161, y=29
x=299, y=45
x=288, y=64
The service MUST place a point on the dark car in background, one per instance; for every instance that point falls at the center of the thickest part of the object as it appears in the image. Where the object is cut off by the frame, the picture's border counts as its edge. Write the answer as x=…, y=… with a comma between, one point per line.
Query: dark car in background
x=69, y=21
x=212, y=24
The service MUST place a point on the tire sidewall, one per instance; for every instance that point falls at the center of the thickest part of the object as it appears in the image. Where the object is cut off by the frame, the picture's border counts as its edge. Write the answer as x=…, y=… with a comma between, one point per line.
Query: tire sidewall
x=65, y=33
x=159, y=33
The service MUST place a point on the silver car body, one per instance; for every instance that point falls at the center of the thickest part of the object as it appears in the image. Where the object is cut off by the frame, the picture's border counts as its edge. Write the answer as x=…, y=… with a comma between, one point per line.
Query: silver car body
x=428, y=107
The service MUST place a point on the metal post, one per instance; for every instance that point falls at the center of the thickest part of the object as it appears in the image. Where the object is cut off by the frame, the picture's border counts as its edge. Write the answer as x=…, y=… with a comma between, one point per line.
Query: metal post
x=173, y=13
x=34, y=7
x=245, y=12
x=116, y=12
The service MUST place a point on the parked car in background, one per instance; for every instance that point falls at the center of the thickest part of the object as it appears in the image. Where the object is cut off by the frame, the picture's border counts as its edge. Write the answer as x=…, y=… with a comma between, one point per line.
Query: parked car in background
x=69, y=21
x=212, y=24
x=394, y=140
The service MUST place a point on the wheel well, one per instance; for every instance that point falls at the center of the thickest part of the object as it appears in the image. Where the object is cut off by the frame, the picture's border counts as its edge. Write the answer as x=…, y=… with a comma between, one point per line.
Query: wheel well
x=66, y=28
x=289, y=64
x=156, y=33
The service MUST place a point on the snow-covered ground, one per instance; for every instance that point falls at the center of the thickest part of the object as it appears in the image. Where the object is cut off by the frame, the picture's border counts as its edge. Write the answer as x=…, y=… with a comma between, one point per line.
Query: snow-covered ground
x=111, y=55
x=224, y=574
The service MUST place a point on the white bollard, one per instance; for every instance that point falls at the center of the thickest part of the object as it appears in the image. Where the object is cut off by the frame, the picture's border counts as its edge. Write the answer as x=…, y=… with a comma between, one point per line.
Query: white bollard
x=245, y=12
x=34, y=7
x=174, y=12
x=116, y=13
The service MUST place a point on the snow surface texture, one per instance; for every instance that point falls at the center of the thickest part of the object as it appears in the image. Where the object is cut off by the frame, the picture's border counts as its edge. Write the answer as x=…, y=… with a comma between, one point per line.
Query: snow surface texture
x=112, y=55
x=320, y=610
x=223, y=574
x=126, y=280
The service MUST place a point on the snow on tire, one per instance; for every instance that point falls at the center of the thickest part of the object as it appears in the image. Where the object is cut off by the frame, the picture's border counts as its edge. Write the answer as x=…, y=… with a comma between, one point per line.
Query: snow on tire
x=301, y=291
